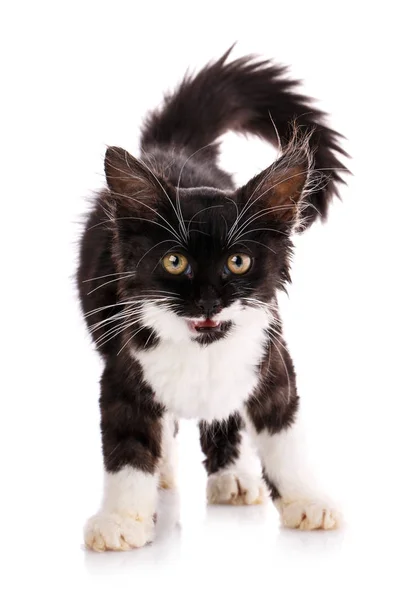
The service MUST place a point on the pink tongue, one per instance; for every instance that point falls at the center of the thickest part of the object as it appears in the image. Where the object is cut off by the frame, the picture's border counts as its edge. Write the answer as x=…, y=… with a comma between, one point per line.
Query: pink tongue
x=207, y=323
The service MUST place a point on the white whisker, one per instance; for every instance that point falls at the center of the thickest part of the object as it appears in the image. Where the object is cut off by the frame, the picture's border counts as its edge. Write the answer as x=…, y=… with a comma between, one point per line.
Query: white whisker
x=108, y=282
x=108, y=275
x=139, y=298
x=274, y=341
x=165, y=192
x=198, y=212
x=114, y=331
x=152, y=248
x=120, y=316
x=241, y=240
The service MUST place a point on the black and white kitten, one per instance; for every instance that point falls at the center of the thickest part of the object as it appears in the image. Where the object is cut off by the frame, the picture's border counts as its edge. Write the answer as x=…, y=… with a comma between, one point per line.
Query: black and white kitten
x=178, y=277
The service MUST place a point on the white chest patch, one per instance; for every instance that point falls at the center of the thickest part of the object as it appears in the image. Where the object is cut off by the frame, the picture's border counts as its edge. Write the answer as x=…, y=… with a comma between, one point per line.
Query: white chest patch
x=204, y=382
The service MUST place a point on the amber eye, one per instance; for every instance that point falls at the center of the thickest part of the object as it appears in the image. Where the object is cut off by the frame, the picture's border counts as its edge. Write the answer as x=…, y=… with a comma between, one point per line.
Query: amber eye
x=238, y=264
x=176, y=264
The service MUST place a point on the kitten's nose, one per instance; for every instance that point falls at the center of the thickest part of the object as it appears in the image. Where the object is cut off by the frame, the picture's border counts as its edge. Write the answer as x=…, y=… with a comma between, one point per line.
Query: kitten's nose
x=209, y=306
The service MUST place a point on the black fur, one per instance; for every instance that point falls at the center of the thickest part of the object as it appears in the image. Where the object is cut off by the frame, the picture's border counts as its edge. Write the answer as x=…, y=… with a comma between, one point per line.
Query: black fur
x=248, y=95
x=273, y=490
x=177, y=199
x=130, y=419
x=220, y=442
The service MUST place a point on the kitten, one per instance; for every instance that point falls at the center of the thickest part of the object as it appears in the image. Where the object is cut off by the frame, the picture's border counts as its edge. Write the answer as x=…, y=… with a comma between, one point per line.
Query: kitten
x=178, y=278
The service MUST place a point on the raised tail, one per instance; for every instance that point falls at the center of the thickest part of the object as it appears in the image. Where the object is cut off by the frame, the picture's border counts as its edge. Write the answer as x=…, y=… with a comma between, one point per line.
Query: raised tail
x=248, y=95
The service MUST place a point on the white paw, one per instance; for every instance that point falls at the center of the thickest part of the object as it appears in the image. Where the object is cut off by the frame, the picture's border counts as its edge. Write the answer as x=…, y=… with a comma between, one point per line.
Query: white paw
x=112, y=531
x=307, y=514
x=235, y=488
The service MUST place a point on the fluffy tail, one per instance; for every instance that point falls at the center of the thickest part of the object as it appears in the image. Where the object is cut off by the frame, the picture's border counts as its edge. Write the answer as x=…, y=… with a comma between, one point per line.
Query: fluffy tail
x=248, y=95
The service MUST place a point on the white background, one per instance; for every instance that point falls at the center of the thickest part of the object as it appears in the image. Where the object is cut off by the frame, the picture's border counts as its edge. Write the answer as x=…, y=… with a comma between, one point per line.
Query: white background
x=78, y=76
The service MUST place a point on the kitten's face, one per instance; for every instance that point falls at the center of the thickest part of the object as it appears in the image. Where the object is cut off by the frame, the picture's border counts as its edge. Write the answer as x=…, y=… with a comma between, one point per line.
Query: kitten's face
x=203, y=261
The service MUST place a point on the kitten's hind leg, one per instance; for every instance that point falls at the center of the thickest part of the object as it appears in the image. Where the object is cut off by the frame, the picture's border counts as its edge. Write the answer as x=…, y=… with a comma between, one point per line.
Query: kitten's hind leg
x=234, y=471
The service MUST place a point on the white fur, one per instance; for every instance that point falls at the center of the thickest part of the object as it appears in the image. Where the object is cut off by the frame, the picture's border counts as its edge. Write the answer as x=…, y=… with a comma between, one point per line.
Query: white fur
x=204, y=382
x=169, y=459
x=240, y=482
x=125, y=519
x=308, y=513
x=286, y=463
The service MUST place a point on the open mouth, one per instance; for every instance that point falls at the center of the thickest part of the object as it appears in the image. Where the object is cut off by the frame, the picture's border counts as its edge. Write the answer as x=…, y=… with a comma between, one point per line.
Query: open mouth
x=205, y=325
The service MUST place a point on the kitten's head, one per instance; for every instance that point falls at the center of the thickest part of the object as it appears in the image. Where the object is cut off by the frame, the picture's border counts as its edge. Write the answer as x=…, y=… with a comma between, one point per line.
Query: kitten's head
x=200, y=261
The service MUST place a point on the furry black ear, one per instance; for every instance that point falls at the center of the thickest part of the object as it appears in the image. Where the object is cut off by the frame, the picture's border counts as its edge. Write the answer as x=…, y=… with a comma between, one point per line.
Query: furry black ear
x=281, y=187
x=131, y=183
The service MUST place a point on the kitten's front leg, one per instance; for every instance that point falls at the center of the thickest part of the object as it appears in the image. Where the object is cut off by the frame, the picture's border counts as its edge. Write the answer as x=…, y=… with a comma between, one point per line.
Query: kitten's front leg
x=131, y=426
x=169, y=461
x=273, y=420
x=232, y=464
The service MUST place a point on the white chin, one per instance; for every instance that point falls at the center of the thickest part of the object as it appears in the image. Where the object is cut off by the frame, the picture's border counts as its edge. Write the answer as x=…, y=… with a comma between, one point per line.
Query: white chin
x=170, y=326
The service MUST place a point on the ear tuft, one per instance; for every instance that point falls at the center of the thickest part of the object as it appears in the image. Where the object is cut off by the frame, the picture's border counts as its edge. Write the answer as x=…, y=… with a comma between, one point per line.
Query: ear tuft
x=281, y=188
x=134, y=188
x=285, y=190
x=124, y=173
